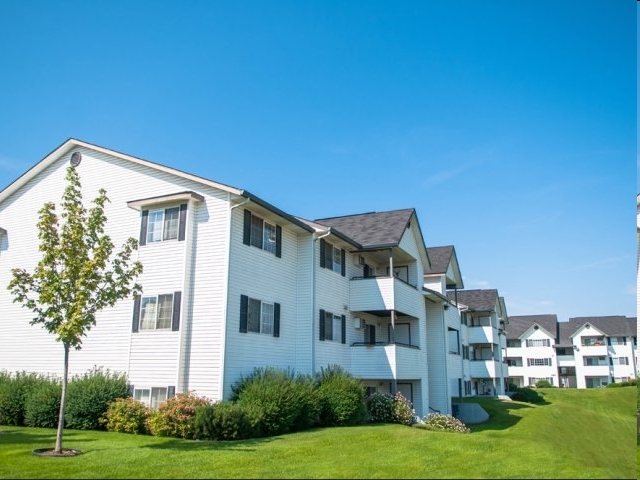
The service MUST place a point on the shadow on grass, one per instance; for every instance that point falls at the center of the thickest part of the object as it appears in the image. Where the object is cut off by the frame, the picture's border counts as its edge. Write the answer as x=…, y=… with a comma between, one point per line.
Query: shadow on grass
x=503, y=414
x=248, y=445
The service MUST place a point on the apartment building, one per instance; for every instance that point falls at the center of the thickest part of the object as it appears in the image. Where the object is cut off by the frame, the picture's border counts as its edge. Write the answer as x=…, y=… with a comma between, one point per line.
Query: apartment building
x=483, y=319
x=584, y=352
x=231, y=282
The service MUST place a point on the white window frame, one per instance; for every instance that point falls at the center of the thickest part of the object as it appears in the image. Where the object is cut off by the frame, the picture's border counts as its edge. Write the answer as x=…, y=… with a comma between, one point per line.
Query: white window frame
x=151, y=397
x=156, y=312
x=600, y=360
x=163, y=224
x=336, y=260
x=263, y=234
x=538, y=362
x=260, y=316
x=332, y=327
x=538, y=342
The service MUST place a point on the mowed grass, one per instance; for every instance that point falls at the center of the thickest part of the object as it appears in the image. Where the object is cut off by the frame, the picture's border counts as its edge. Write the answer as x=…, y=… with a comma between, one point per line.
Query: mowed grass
x=575, y=434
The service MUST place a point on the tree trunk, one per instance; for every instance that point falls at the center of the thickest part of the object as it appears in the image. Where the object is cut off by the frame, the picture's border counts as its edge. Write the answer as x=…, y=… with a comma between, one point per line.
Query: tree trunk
x=63, y=398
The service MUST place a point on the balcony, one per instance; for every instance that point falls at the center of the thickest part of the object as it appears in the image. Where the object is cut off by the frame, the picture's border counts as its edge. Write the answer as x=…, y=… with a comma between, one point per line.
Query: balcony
x=482, y=335
x=383, y=294
x=385, y=360
x=484, y=369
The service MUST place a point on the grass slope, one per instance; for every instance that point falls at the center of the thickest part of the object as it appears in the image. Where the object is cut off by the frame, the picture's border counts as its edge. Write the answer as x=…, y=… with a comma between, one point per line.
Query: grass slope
x=575, y=434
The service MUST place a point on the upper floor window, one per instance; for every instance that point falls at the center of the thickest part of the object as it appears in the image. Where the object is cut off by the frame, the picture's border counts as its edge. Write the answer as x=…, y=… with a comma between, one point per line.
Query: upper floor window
x=453, y=337
x=332, y=257
x=157, y=312
x=514, y=344
x=594, y=361
x=617, y=340
x=262, y=234
x=332, y=327
x=592, y=341
x=162, y=224
x=259, y=317
x=538, y=342
x=538, y=362
x=619, y=361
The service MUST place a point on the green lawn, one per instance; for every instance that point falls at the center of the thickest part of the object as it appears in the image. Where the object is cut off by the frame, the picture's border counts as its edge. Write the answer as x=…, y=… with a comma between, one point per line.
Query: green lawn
x=575, y=434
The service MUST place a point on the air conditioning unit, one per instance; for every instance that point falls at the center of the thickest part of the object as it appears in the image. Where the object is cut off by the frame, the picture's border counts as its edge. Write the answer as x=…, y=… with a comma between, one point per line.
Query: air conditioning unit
x=359, y=323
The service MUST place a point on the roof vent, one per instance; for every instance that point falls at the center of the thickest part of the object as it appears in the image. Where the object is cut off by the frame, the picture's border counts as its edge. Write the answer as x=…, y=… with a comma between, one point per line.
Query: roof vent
x=76, y=158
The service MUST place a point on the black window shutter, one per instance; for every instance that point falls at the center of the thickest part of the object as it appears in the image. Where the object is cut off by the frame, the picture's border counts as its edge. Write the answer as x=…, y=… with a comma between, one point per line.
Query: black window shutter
x=609, y=341
x=175, y=319
x=136, y=313
x=171, y=391
x=610, y=360
x=321, y=325
x=323, y=247
x=344, y=328
x=276, y=319
x=278, y=241
x=246, y=236
x=143, y=227
x=343, y=263
x=244, y=309
x=183, y=222
x=130, y=390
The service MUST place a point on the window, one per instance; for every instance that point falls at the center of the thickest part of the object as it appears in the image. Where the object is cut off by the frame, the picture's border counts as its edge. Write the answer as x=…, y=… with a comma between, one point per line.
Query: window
x=534, y=380
x=159, y=225
x=617, y=340
x=514, y=362
x=592, y=341
x=261, y=234
x=332, y=257
x=619, y=361
x=153, y=397
x=514, y=343
x=465, y=352
x=370, y=334
x=594, y=361
x=158, y=312
x=538, y=362
x=332, y=327
x=259, y=317
x=454, y=340
x=538, y=342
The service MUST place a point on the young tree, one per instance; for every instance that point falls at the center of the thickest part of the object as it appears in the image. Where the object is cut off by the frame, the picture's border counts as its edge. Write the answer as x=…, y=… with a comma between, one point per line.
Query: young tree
x=77, y=275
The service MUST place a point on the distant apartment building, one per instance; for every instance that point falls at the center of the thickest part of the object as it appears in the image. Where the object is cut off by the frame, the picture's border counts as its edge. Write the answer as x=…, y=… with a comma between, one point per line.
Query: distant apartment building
x=585, y=352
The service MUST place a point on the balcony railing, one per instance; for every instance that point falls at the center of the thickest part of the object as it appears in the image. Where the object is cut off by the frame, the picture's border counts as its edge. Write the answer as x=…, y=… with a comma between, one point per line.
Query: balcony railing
x=482, y=335
x=484, y=369
x=387, y=360
x=384, y=293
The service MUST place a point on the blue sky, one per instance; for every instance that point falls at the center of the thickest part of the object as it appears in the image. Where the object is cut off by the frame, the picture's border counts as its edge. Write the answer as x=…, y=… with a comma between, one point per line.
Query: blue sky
x=509, y=126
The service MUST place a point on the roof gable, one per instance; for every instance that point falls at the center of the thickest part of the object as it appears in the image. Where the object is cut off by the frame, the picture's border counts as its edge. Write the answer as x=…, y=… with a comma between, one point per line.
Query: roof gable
x=374, y=229
x=519, y=325
x=444, y=261
x=482, y=300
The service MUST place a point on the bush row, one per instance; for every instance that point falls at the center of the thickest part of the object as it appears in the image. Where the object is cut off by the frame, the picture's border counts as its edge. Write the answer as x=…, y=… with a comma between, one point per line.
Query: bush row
x=267, y=402
x=33, y=400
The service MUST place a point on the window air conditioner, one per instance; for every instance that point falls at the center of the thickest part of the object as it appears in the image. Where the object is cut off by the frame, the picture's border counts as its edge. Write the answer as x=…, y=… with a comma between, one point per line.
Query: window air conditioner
x=359, y=323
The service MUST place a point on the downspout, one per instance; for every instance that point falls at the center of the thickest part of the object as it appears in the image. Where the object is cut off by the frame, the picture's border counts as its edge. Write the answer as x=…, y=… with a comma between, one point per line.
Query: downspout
x=226, y=299
x=313, y=297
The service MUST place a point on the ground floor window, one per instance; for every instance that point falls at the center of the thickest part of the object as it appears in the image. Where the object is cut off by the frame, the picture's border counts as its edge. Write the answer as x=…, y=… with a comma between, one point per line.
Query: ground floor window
x=152, y=397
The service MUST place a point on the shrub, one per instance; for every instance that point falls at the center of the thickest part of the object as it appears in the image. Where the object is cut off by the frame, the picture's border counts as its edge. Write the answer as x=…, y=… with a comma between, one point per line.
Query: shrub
x=14, y=391
x=176, y=416
x=380, y=407
x=285, y=401
x=88, y=396
x=542, y=383
x=440, y=421
x=227, y=421
x=341, y=397
x=125, y=415
x=42, y=407
x=527, y=395
x=402, y=410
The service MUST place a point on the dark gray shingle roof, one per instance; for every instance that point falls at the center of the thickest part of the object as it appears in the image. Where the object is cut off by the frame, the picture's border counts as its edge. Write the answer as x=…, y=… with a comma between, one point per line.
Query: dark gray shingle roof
x=375, y=229
x=440, y=257
x=612, y=326
x=483, y=300
x=521, y=323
